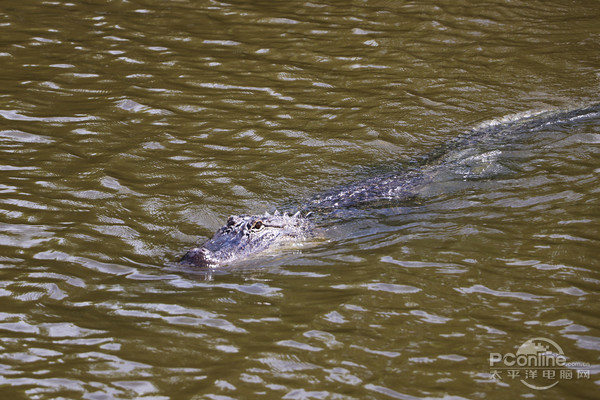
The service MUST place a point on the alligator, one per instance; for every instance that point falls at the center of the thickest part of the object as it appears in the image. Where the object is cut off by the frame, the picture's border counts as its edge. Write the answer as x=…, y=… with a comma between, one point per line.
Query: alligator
x=244, y=236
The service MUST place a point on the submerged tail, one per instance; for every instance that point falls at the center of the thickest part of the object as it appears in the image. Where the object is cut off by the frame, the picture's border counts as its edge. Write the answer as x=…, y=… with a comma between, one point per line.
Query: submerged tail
x=513, y=125
x=460, y=156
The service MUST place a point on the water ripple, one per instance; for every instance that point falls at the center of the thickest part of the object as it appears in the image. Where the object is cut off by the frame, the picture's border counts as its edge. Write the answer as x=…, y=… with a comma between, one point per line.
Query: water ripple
x=24, y=137
x=14, y=115
x=500, y=293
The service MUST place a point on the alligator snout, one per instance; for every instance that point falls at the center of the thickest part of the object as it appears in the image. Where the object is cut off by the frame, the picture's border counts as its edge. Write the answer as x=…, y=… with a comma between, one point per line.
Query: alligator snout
x=198, y=256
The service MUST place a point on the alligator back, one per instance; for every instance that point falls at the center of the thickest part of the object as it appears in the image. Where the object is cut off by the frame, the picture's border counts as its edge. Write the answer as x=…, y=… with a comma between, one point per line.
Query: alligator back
x=462, y=156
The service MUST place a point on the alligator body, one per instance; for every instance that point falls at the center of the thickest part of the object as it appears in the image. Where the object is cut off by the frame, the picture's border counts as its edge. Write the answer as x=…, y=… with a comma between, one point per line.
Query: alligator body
x=246, y=235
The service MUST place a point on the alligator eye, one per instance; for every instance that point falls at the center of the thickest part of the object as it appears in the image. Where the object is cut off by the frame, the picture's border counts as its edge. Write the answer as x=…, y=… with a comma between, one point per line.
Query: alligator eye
x=257, y=225
x=231, y=221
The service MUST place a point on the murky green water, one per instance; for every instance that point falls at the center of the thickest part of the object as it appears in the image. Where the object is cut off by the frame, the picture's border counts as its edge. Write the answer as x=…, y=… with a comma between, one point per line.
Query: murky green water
x=129, y=130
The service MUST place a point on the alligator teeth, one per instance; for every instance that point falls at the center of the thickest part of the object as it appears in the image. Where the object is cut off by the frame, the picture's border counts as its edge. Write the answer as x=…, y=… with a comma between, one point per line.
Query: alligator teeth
x=276, y=213
x=297, y=214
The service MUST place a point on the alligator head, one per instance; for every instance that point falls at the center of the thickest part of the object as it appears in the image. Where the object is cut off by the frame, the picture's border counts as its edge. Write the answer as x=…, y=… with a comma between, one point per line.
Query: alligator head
x=246, y=235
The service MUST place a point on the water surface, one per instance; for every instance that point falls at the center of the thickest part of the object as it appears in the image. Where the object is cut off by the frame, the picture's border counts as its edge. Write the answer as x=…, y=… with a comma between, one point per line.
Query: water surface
x=130, y=130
